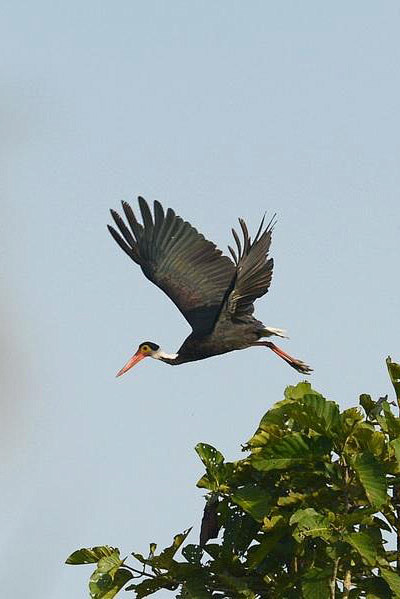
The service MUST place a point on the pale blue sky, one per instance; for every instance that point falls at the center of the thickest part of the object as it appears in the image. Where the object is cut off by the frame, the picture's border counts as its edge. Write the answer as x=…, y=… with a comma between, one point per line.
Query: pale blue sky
x=219, y=110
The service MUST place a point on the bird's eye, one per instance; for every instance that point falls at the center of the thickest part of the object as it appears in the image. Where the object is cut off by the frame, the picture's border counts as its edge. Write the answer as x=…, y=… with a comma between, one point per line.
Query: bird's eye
x=145, y=348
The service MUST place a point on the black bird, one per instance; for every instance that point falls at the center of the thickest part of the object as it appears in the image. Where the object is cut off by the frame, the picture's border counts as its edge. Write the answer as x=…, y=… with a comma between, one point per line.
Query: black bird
x=214, y=293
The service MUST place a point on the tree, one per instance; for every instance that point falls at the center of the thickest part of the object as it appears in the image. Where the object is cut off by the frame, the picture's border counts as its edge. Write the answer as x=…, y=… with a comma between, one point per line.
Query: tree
x=310, y=512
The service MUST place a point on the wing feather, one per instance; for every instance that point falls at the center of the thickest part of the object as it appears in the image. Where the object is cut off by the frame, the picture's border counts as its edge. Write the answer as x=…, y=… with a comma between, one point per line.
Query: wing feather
x=253, y=270
x=134, y=224
x=123, y=228
x=178, y=259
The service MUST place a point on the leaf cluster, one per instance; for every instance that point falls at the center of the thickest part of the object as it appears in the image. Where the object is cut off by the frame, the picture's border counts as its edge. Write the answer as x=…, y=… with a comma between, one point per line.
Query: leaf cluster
x=307, y=513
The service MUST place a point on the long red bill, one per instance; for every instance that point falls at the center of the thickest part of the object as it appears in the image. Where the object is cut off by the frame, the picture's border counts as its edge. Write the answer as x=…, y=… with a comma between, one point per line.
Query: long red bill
x=134, y=360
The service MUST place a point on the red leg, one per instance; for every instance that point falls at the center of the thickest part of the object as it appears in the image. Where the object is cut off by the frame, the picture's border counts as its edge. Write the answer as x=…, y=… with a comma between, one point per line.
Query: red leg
x=296, y=364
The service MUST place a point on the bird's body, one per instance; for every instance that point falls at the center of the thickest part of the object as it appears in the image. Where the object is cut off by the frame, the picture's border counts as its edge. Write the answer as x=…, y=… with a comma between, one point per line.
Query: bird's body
x=214, y=293
x=223, y=339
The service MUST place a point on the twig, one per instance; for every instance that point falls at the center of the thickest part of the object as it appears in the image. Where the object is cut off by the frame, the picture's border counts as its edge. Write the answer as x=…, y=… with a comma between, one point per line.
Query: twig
x=141, y=572
x=396, y=505
x=333, y=579
x=347, y=584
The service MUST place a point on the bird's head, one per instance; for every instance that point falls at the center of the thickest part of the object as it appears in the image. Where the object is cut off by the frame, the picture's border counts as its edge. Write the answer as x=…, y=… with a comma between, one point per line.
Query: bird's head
x=147, y=349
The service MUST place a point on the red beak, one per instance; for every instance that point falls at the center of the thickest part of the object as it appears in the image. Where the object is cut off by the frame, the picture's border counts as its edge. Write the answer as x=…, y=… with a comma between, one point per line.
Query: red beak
x=134, y=360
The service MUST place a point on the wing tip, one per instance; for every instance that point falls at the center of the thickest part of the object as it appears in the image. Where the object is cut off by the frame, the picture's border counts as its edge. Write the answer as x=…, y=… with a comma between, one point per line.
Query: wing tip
x=145, y=211
x=272, y=223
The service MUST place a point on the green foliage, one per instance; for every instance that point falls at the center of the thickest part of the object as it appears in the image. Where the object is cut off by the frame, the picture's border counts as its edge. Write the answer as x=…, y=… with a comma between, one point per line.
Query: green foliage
x=109, y=577
x=306, y=514
x=90, y=556
x=394, y=373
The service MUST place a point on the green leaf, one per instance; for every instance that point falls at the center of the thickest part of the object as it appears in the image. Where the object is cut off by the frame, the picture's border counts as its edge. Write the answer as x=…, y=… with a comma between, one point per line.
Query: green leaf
x=257, y=553
x=209, y=455
x=393, y=580
x=298, y=391
x=367, y=403
x=349, y=418
x=291, y=499
x=375, y=587
x=310, y=523
x=277, y=415
x=217, y=470
x=239, y=531
x=150, y=586
x=294, y=406
x=315, y=583
x=359, y=516
x=122, y=576
x=110, y=563
x=213, y=550
x=364, y=545
x=108, y=578
x=164, y=560
x=254, y=500
x=323, y=416
x=390, y=420
x=395, y=445
x=193, y=553
x=267, y=463
x=196, y=589
x=239, y=584
x=274, y=522
x=292, y=450
x=382, y=524
x=394, y=373
x=90, y=556
x=275, y=420
x=372, y=478
x=377, y=444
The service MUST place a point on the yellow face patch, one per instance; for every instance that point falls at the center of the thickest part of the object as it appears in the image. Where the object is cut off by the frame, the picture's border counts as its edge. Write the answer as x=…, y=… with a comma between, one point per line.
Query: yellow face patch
x=145, y=349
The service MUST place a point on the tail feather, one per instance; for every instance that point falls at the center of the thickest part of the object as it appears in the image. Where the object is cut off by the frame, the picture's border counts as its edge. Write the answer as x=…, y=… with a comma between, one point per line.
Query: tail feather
x=269, y=331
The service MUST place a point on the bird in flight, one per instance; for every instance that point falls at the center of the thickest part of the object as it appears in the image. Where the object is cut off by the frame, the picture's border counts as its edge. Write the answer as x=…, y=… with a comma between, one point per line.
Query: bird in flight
x=215, y=294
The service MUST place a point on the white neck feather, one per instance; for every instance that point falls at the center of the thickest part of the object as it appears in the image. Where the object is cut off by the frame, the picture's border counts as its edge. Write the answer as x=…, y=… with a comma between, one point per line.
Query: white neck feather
x=159, y=354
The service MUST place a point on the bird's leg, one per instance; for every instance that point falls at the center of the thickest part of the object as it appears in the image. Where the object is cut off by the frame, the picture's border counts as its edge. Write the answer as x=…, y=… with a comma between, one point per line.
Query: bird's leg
x=296, y=364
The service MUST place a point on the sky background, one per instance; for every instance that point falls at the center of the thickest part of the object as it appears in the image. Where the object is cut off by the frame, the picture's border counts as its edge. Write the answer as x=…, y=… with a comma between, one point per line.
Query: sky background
x=218, y=110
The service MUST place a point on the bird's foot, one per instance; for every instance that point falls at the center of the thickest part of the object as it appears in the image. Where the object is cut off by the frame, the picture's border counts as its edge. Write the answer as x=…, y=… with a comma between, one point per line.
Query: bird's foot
x=293, y=362
x=300, y=366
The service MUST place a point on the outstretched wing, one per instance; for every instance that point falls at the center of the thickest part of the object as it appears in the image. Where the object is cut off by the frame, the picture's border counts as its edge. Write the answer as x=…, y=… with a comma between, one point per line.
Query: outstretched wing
x=253, y=270
x=178, y=259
